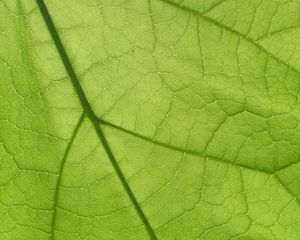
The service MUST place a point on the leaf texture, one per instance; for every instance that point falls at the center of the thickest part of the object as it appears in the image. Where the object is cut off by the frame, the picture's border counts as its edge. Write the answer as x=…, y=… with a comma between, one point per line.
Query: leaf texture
x=149, y=119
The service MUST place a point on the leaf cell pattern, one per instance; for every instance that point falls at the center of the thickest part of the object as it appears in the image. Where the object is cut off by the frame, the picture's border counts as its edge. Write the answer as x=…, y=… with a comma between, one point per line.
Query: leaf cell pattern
x=150, y=119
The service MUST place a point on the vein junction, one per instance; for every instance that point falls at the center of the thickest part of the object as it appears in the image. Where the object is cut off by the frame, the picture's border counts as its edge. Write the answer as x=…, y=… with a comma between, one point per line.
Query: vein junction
x=90, y=113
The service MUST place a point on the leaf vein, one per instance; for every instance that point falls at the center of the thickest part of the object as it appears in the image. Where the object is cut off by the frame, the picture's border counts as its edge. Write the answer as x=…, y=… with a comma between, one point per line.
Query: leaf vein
x=61, y=169
x=179, y=149
x=90, y=113
x=252, y=41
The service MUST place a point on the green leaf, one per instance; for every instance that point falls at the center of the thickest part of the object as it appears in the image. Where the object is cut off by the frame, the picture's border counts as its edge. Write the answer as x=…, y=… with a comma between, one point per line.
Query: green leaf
x=149, y=119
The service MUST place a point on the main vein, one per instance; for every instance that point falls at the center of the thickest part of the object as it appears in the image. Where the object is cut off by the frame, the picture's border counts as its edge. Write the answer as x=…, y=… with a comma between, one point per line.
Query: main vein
x=90, y=113
x=58, y=184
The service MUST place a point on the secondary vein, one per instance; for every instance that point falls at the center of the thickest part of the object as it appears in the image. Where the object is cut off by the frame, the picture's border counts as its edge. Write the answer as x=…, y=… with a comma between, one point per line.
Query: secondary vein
x=179, y=149
x=203, y=155
x=62, y=165
x=90, y=113
x=208, y=19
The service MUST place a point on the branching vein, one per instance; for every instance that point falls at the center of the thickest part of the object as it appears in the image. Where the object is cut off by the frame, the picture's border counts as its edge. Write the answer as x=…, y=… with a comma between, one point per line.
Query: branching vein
x=90, y=113
x=197, y=13
x=58, y=184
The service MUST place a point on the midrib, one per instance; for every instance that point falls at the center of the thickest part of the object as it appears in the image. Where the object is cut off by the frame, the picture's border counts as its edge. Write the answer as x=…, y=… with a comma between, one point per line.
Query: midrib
x=90, y=113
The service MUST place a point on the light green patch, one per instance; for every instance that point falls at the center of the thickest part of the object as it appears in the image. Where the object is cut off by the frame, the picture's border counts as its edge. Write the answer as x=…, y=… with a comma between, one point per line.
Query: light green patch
x=149, y=119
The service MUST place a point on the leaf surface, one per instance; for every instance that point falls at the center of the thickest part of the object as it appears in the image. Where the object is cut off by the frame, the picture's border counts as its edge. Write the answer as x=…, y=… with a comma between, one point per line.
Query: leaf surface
x=150, y=119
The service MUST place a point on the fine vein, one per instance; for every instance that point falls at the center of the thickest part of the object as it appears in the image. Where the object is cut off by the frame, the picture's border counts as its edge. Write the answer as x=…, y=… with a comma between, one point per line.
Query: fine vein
x=179, y=149
x=62, y=165
x=96, y=122
x=90, y=113
x=208, y=19
x=199, y=154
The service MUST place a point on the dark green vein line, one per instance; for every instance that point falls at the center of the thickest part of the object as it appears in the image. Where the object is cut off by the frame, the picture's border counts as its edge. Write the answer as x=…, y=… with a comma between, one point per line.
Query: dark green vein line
x=195, y=153
x=62, y=165
x=179, y=149
x=245, y=37
x=288, y=165
x=287, y=190
x=90, y=113
x=213, y=7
